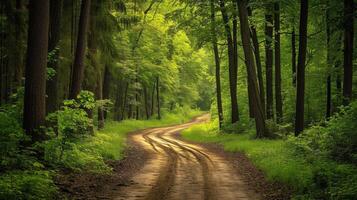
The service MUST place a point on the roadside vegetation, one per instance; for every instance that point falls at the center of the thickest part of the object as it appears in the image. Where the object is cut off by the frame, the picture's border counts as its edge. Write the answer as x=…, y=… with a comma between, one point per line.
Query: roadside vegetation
x=71, y=145
x=319, y=164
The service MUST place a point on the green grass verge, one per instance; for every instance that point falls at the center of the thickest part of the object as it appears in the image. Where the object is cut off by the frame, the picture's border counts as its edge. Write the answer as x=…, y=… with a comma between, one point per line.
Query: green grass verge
x=316, y=178
x=272, y=156
x=109, y=143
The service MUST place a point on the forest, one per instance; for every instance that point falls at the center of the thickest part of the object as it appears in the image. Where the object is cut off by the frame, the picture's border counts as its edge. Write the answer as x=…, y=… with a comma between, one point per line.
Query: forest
x=178, y=99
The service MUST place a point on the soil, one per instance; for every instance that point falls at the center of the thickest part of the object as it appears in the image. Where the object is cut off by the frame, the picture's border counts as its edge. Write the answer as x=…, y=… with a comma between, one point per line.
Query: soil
x=159, y=164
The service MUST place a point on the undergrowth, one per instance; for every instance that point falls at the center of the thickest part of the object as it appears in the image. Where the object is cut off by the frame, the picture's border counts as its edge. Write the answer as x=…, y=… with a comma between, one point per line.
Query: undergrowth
x=72, y=144
x=319, y=164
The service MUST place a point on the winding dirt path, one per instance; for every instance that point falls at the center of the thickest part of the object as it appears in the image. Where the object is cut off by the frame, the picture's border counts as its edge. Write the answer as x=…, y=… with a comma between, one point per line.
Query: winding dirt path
x=178, y=170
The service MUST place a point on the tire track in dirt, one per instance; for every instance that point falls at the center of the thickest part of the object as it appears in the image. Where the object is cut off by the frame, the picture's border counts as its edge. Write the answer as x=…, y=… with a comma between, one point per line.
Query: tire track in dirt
x=179, y=170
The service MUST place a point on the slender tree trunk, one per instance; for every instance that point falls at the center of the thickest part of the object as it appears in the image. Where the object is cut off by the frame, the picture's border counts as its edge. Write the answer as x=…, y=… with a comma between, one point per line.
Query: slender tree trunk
x=153, y=99
x=54, y=38
x=257, y=60
x=146, y=105
x=232, y=67
x=348, y=51
x=328, y=61
x=19, y=23
x=118, y=102
x=137, y=102
x=158, y=97
x=293, y=56
x=218, y=66
x=78, y=65
x=250, y=64
x=106, y=86
x=99, y=94
x=35, y=86
x=269, y=62
x=125, y=101
x=278, y=97
x=300, y=90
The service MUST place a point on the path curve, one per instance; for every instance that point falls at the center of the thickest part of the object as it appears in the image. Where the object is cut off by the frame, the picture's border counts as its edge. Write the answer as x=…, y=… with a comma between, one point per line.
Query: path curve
x=179, y=170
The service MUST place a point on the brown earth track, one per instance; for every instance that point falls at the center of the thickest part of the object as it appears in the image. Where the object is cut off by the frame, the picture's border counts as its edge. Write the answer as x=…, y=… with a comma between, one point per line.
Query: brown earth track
x=160, y=165
x=180, y=170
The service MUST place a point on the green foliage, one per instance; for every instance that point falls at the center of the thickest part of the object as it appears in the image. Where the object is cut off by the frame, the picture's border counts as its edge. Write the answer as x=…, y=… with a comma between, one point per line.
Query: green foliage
x=304, y=163
x=27, y=185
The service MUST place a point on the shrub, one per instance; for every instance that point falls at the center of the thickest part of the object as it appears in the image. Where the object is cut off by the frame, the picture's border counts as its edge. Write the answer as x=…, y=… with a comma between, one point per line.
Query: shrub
x=27, y=185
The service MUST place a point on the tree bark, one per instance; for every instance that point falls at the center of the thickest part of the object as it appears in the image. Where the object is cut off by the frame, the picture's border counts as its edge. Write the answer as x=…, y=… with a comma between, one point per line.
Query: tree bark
x=78, y=65
x=328, y=62
x=146, y=105
x=106, y=86
x=231, y=63
x=125, y=101
x=269, y=61
x=153, y=99
x=300, y=89
x=259, y=116
x=118, y=102
x=257, y=60
x=54, y=38
x=158, y=97
x=99, y=94
x=35, y=86
x=293, y=56
x=278, y=97
x=218, y=66
x=348, y=51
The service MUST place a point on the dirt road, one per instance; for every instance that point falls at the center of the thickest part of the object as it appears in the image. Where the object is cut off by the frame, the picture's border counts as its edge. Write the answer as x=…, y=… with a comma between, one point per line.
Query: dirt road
x=178, y=170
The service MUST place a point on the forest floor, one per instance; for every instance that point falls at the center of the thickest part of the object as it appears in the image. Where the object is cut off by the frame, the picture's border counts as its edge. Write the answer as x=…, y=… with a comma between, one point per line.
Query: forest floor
x=159, y=164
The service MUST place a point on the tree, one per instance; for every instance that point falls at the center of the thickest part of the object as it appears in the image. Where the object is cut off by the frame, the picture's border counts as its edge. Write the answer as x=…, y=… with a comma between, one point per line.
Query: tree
x=300, y=88
x=158, y=97
x=257, y=60
x=278, y=98
x=232, y=67
x=217, y=63
x=35, y=85
x=348, y=50
x=54, y=38
x=293, y=56
x=259, y=116
x=78, y=65
x=269, y=60
x=328, y=62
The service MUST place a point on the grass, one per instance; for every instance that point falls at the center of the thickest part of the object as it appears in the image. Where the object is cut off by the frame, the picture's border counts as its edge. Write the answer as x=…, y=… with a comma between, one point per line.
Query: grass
x=272, y=156
x=110, y=142
x=311, y=176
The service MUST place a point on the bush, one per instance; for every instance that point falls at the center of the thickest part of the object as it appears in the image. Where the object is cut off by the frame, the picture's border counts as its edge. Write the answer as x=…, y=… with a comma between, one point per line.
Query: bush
x=27, y=185
x=69, y=125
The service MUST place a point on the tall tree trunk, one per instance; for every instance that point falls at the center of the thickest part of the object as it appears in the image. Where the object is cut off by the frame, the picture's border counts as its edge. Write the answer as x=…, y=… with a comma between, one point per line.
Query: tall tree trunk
x=269, y=61
x=259, y=116
x=99, y=94
x=348, y=51
x=78, y=65
x=158, y=97
x=35, y=86
x=218, y=66
x=153, y=99
x=19, y=23
x=146, y=105
x=278, y=97
x=257, y=60
x=293, y=56
x=54, y=38
x=125, y=100
x=118, y=102
x=106, y=86
x=328, y=62
x=231, y=63
x=300, y=89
